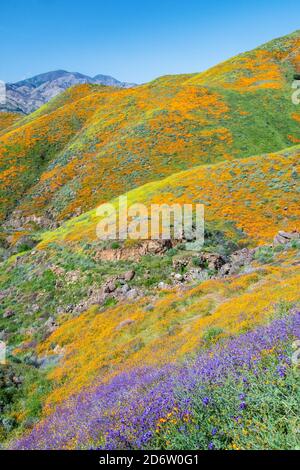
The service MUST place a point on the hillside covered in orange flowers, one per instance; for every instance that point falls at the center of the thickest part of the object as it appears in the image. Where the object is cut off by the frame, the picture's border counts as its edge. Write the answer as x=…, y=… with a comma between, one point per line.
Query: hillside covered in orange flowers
x=150, y=344
x=249, y=199
x=94, y=142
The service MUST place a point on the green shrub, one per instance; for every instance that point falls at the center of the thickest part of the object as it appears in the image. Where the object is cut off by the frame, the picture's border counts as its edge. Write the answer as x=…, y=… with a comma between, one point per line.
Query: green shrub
x=212, y=333
x=265, y=255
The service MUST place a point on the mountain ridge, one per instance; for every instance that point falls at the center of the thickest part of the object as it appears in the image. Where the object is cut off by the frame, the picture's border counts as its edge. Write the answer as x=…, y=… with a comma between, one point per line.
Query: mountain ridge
x=28, y=95
x=75, y=143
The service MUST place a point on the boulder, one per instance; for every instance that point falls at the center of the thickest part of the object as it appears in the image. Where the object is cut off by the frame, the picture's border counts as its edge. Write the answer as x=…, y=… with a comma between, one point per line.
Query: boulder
x=51, y=325
x=149, y=308
x=237, y=260
x=212, y=261
x=225, y=270
x=110, y=287
x=124, y=323
x=135, y=252
x=196, y=275
x=129, y=275
x=8, y=314
x=283, y=238
x=132, y=294
x=124, y=289
x=163, y=286
x=242, y=257
x=180, y=263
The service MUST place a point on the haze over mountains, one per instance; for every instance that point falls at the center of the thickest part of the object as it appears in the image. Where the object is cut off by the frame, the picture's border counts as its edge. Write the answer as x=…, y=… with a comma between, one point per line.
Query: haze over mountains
x=28, y=95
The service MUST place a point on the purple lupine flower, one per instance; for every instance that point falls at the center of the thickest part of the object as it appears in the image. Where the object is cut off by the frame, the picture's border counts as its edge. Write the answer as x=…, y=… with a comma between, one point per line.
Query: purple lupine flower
x=123, y=413
x=281, y=371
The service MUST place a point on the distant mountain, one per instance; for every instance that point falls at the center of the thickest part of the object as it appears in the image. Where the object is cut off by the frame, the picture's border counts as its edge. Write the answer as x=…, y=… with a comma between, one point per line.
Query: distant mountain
x=28, y=95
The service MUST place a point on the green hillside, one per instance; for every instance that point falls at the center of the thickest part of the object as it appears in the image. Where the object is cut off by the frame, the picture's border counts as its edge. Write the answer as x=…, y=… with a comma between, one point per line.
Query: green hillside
x=93, y=143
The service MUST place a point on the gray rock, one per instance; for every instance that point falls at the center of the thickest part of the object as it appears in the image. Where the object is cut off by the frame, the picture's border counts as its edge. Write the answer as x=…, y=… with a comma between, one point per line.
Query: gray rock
x=212, y=261
x=49, y=361
x=162, y=285
x=8, y=314
x=110, y=287
x=283, y=238
x=125, y=288
x=238, y=260
x=124, y=323
x=225, y=270
x=149, y=308
x=180, y=263
x=51, y=325
x=132, y=294
x=35, y=308
x=129, y=275
x=197, y=274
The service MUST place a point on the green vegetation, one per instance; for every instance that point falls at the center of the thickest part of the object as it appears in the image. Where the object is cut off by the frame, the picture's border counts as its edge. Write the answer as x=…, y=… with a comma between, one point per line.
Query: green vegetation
x=260, y=416
x=75, y=310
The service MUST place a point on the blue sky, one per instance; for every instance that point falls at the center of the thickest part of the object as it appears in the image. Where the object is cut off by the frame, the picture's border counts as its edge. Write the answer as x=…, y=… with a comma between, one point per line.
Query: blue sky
x=134, y=40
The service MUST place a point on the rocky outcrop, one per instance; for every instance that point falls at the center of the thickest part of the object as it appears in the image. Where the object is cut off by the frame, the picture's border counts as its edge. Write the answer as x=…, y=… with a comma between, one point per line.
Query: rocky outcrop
x=237, y=261
x=129, y=275
x=24, y=243
x=116, y=287
x=283, y=238
x=211, y=261
x=210, y=265
x=50, y=325
x=17, y=221
x=124, y=323
x=135, y=252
